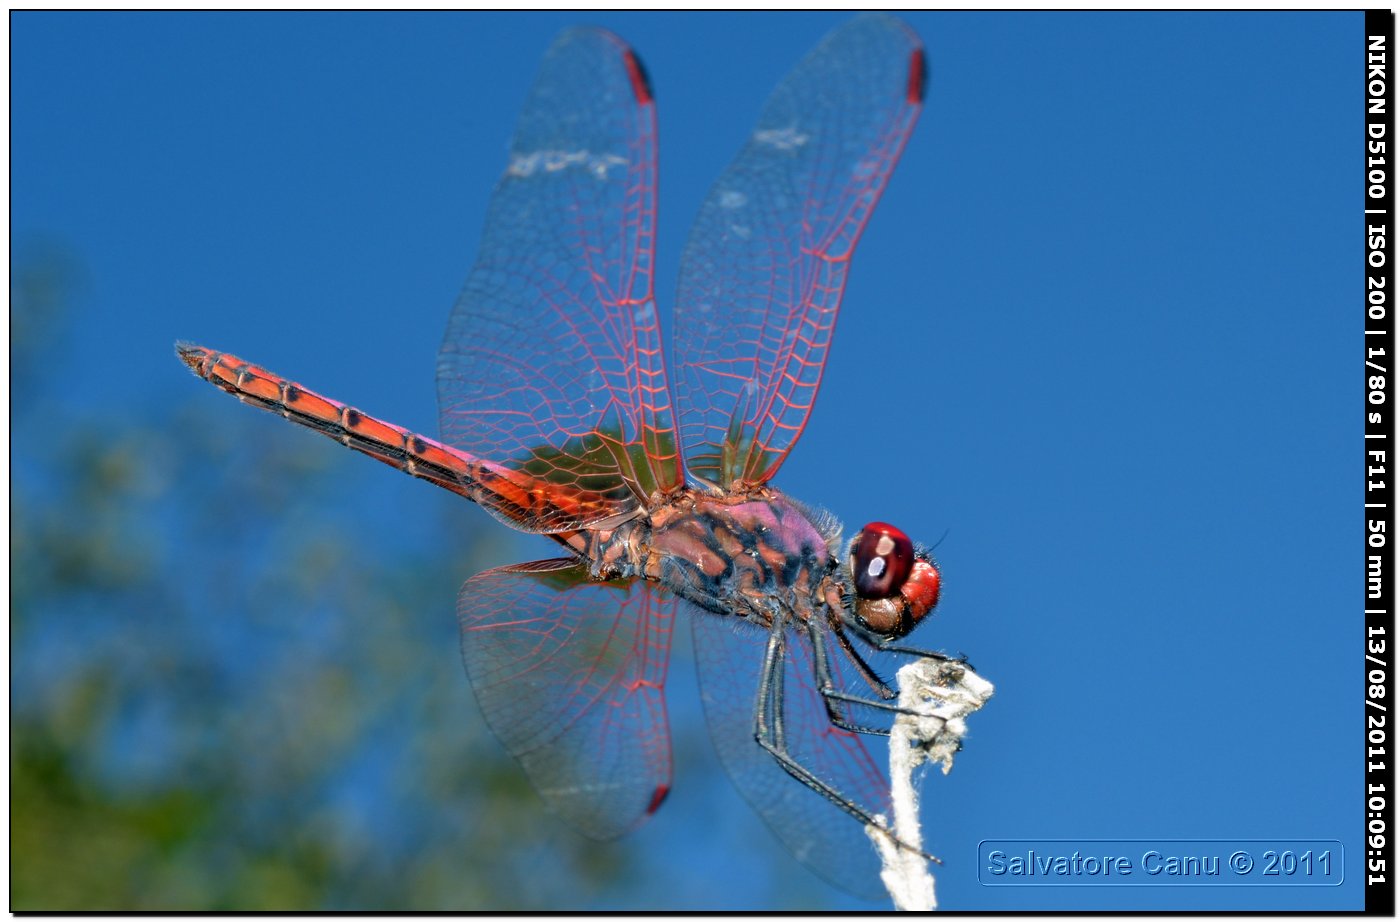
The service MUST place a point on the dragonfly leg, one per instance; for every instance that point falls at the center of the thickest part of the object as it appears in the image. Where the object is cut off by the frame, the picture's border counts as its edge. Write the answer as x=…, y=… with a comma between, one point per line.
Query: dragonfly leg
x=879, y=685
x=770, y=735
x=772, y=707
x=821, y=654
x=890, y=647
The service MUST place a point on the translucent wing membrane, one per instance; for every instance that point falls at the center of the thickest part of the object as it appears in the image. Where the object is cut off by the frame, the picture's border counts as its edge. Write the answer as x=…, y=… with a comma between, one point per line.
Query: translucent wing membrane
x=729, y=661
x=763, y=271
x=552, y=361
x=569, y=674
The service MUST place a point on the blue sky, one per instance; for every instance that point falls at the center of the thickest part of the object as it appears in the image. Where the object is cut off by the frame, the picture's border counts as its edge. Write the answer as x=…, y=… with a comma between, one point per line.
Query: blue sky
x=1110, y=287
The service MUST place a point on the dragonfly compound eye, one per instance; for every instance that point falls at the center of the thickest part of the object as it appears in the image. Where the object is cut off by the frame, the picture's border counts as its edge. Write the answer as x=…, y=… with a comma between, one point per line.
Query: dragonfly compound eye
x=895, y=587
x=882, y=557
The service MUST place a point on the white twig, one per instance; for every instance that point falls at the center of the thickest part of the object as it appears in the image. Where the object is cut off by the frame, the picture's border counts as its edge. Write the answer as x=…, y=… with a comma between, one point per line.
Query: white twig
x=941, y=695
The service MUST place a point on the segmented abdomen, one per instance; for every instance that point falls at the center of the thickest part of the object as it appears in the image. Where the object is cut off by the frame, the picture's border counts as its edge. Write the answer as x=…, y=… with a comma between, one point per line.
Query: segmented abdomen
x=517, y=499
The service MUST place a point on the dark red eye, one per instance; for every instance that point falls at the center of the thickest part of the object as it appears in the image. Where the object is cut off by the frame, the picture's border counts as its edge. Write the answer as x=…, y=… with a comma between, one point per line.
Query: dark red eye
x=881, y=558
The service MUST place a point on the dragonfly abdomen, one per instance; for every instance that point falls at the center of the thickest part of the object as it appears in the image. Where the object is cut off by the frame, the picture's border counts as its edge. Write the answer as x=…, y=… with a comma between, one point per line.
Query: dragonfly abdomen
x=487, y=484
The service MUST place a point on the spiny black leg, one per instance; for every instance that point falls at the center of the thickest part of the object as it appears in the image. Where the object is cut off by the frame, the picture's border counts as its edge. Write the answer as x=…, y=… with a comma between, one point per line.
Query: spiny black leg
x=763, y=731
x=774, y=699
x=890, y=647
x=821, y=656
x=769, y=733
x=877, y=684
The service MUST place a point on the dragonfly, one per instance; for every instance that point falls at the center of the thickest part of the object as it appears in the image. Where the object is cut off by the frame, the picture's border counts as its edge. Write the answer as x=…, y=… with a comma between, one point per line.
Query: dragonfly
x=561, y=416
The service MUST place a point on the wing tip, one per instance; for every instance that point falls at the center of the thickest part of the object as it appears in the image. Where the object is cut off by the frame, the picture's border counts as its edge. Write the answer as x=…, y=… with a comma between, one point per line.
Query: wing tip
x=918, y=77
x=637, y=74
x=592, y=35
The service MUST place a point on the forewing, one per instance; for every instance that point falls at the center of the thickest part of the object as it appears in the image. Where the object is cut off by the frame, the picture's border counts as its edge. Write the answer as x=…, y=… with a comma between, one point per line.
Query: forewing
x=570, y=675
x=552, y=362
x=765, y=266
x=729, y=657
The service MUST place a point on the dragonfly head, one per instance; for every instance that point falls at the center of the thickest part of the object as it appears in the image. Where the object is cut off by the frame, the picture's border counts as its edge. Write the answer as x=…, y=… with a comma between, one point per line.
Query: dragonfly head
x=895, y=583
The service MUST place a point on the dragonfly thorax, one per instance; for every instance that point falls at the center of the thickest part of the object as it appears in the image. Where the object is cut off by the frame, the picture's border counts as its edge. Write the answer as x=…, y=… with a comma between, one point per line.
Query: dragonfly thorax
x=762, y=556
x=759, y=555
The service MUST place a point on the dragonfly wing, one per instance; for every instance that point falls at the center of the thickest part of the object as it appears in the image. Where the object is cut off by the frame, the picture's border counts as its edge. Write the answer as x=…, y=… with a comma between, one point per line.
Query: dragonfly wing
x=765, y=266
x=569, y=673
x=552, y=362
x=819, y=834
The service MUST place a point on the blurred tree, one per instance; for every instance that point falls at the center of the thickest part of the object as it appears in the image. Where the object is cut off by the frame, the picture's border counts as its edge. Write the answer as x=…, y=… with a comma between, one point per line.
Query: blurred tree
x=221, y=702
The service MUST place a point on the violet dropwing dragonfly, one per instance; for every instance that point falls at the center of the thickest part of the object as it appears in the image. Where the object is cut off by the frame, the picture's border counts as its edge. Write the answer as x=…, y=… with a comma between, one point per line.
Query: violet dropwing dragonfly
x=561, y=416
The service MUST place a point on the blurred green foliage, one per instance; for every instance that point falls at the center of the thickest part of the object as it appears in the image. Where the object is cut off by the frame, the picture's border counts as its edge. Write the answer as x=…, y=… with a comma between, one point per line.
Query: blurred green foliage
x=224, y=697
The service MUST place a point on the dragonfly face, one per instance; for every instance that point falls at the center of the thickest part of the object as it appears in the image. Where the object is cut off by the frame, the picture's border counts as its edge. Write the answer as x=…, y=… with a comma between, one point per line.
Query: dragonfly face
x=561, y=417
x=895, y=584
